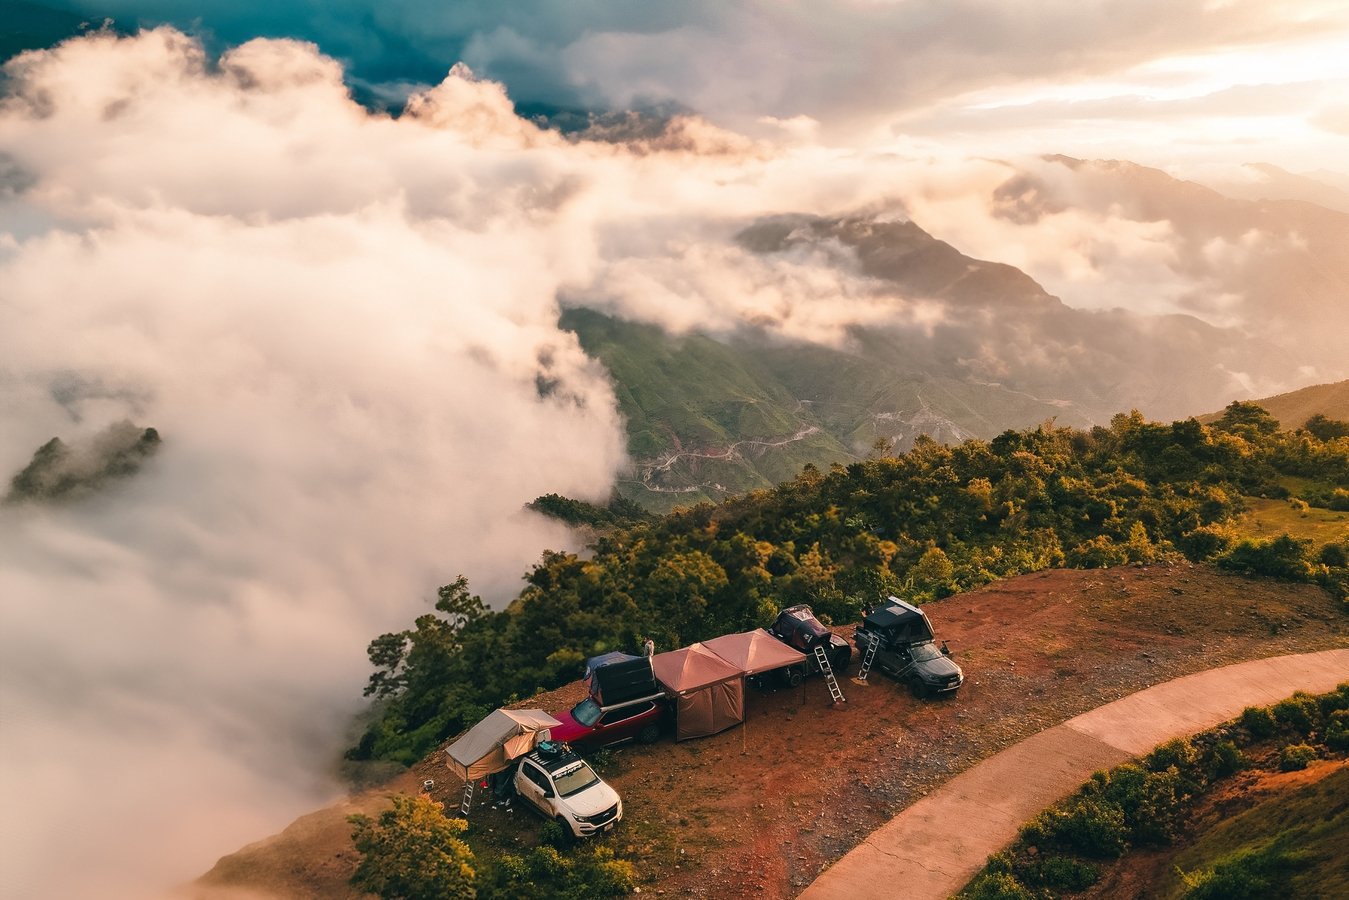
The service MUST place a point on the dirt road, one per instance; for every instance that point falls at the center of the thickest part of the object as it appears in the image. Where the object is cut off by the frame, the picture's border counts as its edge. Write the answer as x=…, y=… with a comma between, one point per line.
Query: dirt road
x=934, y=847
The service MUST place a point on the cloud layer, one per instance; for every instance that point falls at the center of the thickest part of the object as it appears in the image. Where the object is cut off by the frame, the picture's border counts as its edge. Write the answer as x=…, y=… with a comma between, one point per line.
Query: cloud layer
x=318, y=312
x=1244, y=80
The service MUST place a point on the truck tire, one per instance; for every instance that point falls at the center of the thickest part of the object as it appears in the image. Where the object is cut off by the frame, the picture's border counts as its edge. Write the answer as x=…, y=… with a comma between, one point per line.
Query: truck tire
x=793, y=677
x=649, y=735
x=917, y=688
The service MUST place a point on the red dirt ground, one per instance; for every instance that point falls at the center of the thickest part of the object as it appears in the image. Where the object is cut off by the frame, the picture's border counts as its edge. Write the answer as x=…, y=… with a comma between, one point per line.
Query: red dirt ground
x=760, y=810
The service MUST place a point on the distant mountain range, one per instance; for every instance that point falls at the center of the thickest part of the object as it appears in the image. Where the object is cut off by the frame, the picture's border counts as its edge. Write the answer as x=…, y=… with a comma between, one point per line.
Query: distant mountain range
x=710, y=415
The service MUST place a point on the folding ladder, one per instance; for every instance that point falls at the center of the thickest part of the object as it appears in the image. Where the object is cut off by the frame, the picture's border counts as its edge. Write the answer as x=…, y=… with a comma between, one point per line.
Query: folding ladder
x=468, y=798
x=822, y=659
x=868, y=659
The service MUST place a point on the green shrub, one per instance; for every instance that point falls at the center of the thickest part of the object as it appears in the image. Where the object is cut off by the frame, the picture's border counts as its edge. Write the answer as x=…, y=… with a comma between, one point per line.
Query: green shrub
x=1337, y=731
x=1334, y=700
x=998, y=886
x=1178, y=752
x=1066, y=873
x=1282, y=557
x=1299, y=714
x=1164, y=795
x=1296, y=756
x=1222, y=759
x=1089, y=826
x=554, y=834
x=1258, y=721
x=1247, y=874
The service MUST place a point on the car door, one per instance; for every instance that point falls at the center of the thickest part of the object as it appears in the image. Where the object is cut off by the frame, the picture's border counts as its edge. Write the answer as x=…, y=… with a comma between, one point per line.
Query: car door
x=536, y=787
x=621, y=724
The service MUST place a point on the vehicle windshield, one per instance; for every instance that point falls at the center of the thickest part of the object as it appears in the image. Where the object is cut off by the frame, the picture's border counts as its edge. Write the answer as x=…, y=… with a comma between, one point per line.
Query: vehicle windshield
x=573, y=781
x=925, y=651
x=587, y=712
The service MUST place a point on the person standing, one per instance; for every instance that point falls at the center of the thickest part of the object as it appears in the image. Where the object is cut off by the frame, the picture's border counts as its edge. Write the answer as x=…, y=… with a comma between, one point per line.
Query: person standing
x=648, y=648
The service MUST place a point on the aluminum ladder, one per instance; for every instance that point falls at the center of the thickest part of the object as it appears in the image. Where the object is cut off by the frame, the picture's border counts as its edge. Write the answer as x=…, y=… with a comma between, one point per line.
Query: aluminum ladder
x=468, y=798
x=868, y=659
x=822, y=659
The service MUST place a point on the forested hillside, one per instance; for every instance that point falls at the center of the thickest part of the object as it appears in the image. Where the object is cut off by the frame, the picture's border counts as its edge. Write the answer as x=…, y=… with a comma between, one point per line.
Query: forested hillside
x=1296, y=407
x=924, y=524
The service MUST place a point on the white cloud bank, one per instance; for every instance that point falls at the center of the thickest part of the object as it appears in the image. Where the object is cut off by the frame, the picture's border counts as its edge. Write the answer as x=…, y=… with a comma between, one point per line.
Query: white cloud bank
x=338, y=324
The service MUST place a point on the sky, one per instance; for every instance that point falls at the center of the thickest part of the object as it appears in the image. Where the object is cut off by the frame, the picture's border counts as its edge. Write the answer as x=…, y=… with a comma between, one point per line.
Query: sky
x=1155, y=81
x=343, y=322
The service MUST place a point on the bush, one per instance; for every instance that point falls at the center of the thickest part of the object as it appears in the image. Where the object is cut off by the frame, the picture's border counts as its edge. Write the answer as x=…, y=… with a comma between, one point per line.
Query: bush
x=554, y=834
x=1066, y=873
x=998, y=886
x=1089, y=826
x=413, y=852
x=1335, y=700
x=1258, y=721
x=1337, y=731
x=1223, y=759
x=1296, y=756
x=1282, y=557
x=1299, y=714
x=1178, y=752
x=1248, y=874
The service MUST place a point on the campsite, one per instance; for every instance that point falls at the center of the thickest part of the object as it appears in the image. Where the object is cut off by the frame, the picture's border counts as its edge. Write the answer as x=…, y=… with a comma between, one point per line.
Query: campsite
x=758, y=810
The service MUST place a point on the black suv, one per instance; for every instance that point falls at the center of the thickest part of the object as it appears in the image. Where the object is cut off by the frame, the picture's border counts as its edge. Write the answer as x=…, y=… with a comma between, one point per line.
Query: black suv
x=798, y=628
x=906, y=649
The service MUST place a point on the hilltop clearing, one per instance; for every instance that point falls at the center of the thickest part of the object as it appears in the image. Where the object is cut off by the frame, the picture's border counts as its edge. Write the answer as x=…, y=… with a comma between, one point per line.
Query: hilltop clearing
x=759, y=810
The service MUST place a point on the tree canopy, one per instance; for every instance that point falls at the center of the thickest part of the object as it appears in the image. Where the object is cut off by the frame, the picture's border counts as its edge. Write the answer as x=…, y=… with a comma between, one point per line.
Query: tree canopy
x=923, y=525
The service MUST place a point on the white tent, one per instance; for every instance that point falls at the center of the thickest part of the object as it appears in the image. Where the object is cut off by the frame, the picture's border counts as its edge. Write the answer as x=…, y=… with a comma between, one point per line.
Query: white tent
x=493, y=743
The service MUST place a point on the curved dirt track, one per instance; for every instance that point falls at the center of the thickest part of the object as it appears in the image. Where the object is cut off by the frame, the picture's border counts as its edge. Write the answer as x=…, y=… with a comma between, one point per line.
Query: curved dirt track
x=932, y=848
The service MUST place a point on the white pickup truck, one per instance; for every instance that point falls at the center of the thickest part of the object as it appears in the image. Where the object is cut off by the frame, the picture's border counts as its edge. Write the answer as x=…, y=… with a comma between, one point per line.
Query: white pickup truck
x=563, y=787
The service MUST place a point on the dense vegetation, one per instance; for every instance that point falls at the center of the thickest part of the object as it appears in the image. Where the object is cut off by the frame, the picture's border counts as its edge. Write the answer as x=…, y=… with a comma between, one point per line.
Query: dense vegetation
x=413, y=852
x=1145, y=803
x=922, y=525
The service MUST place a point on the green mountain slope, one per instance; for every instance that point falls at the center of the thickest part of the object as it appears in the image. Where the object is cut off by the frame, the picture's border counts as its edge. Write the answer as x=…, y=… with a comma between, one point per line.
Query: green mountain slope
x=707, y=418
x=1296, y=407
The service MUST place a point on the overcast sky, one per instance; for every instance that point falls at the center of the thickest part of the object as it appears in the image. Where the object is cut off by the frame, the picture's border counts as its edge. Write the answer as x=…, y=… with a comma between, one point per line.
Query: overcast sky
x=1156, y=81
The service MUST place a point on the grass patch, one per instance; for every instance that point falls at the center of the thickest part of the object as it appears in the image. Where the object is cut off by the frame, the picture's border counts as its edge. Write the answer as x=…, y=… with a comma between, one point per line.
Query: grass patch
x=1302, y=833
x=1266, y=518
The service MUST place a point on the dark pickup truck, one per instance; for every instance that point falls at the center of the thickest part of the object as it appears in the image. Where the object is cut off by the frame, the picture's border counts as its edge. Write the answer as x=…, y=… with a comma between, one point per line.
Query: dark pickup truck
x=906, y=649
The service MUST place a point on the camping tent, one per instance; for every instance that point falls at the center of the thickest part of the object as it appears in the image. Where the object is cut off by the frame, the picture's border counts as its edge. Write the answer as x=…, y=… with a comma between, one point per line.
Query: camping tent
x=899, y=621
x=754, y=651
x=490, y=745
x=619, y=677
x=708, y=691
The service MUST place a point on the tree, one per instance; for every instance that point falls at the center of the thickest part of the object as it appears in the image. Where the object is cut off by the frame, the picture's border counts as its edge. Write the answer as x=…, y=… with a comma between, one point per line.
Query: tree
x=1327, y=429
x=1240, y=417
x=413, y=852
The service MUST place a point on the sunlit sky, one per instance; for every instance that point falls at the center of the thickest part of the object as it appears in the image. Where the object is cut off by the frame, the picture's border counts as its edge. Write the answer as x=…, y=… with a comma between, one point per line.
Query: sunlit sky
x=1164, y=83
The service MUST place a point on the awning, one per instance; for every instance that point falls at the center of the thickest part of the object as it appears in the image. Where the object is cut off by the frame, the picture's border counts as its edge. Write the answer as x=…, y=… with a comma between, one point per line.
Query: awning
x=493, y=743
x=754, y=651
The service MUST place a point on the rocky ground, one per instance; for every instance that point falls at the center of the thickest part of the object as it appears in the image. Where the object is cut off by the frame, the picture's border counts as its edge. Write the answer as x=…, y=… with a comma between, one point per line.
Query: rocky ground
x=760, y=810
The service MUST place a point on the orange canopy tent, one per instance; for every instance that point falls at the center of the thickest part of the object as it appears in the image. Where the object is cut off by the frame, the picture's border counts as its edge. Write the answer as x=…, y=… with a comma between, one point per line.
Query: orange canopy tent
x=754, y=651
x=708, y=691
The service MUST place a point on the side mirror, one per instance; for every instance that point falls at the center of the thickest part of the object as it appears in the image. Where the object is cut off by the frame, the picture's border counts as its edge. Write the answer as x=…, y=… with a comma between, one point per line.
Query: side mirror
x=547, y=792
x=945, y=650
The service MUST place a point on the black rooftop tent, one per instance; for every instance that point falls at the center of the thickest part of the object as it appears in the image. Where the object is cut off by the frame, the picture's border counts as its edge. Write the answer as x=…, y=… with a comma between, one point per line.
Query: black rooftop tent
x=899, y=620
x=620, y=677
